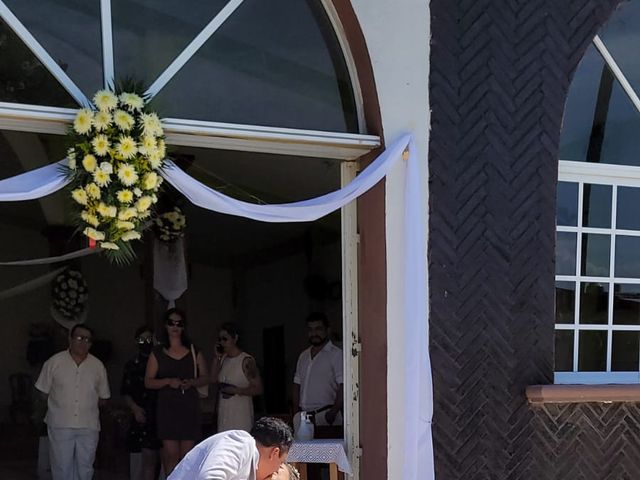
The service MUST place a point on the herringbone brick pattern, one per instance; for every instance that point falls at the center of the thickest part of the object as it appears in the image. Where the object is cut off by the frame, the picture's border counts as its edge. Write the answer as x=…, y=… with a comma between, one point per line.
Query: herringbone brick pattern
x=500, y=71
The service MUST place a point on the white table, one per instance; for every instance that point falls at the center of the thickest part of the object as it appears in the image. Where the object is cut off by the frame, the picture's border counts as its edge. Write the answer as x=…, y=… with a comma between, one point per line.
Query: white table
x=321, y=450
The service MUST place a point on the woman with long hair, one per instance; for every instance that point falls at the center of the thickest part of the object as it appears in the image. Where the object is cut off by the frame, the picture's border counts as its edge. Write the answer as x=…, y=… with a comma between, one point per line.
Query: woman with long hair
x=238, y=380
x=171, y=370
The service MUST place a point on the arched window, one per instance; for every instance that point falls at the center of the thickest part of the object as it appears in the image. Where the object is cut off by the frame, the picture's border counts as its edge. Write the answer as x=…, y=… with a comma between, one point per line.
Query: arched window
x=598, y=212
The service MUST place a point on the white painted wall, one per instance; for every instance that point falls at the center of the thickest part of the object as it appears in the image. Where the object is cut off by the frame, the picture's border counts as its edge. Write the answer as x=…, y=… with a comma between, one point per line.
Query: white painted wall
x=397, y=35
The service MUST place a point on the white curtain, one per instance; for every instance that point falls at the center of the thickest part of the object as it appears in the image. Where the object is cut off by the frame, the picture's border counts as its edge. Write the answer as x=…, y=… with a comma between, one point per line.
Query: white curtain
x=417, y=370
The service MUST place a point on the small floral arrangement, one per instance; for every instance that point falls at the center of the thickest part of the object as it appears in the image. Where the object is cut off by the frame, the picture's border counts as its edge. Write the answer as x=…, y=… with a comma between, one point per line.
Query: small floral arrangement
x=70, y=294
x=117, y=151
x=170, y=225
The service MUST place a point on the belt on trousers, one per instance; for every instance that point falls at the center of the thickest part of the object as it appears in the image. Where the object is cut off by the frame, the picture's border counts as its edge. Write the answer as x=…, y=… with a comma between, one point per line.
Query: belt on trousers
x=313, y=413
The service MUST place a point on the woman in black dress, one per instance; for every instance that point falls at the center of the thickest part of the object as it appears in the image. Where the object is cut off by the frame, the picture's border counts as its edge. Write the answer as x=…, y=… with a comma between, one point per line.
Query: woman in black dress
x=170, y=370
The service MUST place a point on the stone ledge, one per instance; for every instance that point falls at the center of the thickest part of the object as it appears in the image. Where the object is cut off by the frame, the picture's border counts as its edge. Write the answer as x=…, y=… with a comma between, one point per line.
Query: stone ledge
x=540, y=394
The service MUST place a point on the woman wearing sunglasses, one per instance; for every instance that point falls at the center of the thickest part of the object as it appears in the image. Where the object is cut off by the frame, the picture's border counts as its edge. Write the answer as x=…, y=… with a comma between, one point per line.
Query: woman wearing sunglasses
x=238, y=380
x=170, y=370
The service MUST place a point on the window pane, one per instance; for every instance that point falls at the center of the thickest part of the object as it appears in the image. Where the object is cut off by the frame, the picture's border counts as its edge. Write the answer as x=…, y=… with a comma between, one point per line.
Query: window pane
x=564, y=350
x=566, y=253
x=595, y=254
x=69, y=30
x=627, y=257
x=275, y=63
x=567, y=204
x=144, y=49
x=625, y=351
x=580, y=106
x=627, y=208
x=626, y=304
x=565, y=302
x=594, y=302
x=592, y=351
x=621, y=143
x=23, y=79
x=596, y=206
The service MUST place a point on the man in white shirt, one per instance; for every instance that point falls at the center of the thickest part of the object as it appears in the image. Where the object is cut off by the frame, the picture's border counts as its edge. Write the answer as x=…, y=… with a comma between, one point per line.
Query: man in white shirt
x=317, y=384
x=75, y=382
x=238, y=455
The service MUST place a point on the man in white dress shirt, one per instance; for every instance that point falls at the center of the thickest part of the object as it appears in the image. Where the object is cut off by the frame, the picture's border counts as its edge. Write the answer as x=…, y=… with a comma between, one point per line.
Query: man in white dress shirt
x=238, y=455
x=317, y=384
x=75, y=382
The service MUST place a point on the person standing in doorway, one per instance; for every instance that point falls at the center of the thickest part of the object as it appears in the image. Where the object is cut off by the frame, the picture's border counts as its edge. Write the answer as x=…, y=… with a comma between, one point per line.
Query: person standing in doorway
x=75, y=383
x=317, y=384
x=142, y=442
x=238, y=380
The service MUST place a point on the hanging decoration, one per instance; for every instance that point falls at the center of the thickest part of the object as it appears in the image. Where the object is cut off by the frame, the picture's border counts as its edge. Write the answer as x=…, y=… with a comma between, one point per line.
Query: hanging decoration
x=113, y=169
x=170, y=225
x=70, y=296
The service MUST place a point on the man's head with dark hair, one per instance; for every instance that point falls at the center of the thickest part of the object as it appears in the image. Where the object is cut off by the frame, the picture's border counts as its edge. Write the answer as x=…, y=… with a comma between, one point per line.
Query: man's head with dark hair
x=80, y=325
x=80, y=339
x=273, y=439
x=317, y=329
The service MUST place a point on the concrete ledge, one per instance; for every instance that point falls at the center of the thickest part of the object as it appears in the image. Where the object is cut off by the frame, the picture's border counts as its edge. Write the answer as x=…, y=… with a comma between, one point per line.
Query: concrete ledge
x=540, y=394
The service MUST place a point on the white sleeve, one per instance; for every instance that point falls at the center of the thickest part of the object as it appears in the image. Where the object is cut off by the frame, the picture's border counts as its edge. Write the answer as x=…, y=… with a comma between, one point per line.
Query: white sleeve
x=297, y=377
x=103, y=384
x=45, y=378
x=225, y=462
x=338, y=366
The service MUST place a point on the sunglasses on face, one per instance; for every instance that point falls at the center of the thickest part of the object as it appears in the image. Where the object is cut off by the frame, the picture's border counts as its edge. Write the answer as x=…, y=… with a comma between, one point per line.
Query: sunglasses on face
x=176, y=323
x=143, y=340
x=83, y=338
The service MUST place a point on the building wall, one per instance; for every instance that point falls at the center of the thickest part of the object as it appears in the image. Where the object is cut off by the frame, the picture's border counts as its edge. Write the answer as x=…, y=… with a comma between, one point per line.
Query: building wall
x=500, y=71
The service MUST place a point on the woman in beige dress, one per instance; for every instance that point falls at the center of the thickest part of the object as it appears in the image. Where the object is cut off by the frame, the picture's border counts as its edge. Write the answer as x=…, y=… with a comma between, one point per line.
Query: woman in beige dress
x=238, y=381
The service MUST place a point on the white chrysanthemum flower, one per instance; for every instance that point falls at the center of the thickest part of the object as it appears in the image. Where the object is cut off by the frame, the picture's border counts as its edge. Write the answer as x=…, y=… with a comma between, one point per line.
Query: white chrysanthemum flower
x=107, y=167
x=145, y=214
x=102, y=120
x=123, y=120
x=126, y=147
x=155, y=163
x=71, y=153
x=94, y=234
x=150, y=181
x=131, y=100
x=93, y=191
x=71, y=163
x=137, y=192
x=107, y=211
x=101, y=177
x=105, y=100
x=127, y=214
x=147, y=145
x=90, y=218
x=125, y=196
x=154, y=198
x=143, y=203
x=89, y=163
x=109, y=246
x=123, y=225
x=127, y=174
x=151, y=125
x=101, y=144
x=162, y=148
x=80, y=196
x=83, y=120
x=131, y=235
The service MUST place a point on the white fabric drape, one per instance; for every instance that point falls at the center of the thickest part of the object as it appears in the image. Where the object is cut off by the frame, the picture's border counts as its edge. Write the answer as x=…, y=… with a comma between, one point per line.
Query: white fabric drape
x=169, y=270
x=83, y=252
x=34, y=183
x=30, y=284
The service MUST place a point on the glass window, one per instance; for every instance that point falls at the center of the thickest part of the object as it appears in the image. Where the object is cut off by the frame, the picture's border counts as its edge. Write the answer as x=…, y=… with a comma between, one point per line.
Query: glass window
x=564, y=350
x=628, y=213
x=596, y=206
x=626, y=304
x=73, y=38
x=23, y=79
x=565, y=302
x=565, y=253
x=567, y=204
x=595, y=254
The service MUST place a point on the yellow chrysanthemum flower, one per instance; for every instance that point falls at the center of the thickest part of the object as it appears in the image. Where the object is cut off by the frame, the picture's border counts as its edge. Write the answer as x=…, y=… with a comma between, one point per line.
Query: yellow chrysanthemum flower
x=132, y=235
x=123, y=120
x=143, y=203
x=123, y=225
x=94, y=234
x=151, y=125
x=126, y=148
x=109, y=246
x=93, y=191
x=101, y=145
x=89, y=163
x=107, y=211
x=90, y=218
x=101, y=177
x=105, y=100
x=155, y=163
x=127, y=174
x=102, y=120
x=150, y=181
x=162, y=148
x=131, y=100
x=83, y=121
x=127, y=214
x=125, y=196
x=80, y=196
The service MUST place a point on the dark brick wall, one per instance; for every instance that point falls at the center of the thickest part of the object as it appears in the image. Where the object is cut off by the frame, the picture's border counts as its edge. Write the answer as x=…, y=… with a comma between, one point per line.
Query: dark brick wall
x=500, y=71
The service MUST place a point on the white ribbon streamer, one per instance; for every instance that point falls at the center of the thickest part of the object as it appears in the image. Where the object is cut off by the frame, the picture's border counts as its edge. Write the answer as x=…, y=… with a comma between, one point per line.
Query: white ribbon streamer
x=55, y=259
x=34, y=183
x=30, y=284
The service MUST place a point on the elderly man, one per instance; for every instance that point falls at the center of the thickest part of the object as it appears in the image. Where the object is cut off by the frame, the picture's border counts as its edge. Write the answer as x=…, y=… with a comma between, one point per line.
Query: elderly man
x=317, y=384
x=75, y=382
x=238, y=455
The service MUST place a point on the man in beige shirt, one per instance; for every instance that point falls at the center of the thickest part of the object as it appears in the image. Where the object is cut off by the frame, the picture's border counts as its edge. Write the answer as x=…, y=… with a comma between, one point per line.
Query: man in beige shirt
x=75, y=382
